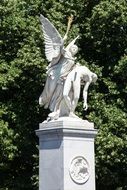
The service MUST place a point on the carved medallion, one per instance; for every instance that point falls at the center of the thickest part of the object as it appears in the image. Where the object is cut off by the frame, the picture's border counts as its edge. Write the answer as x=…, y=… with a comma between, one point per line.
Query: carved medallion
x=79, y=170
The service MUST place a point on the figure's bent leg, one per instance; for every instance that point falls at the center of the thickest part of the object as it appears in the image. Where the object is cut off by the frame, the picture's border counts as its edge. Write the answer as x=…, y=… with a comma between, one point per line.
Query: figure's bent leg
x=67, y=88
x=76, y=89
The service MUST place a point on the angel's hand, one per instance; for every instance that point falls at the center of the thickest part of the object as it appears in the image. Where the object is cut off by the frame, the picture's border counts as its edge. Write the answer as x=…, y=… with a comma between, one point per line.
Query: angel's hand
x=85, y=106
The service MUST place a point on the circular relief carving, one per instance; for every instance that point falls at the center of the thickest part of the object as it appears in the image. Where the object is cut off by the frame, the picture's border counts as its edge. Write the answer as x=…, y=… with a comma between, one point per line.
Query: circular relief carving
x=79, y=170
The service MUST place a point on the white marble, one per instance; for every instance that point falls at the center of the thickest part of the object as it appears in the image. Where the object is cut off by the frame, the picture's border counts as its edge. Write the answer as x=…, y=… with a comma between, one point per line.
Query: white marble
x=64, y=76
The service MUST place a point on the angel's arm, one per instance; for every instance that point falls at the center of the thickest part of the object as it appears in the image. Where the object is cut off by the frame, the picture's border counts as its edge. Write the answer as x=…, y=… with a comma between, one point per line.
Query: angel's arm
x=71, y=43
x=85, y=93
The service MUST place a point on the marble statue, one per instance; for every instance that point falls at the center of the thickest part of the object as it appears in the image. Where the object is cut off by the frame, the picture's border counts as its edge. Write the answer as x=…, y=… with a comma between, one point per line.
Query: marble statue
x=64, y=77
x=80, y=75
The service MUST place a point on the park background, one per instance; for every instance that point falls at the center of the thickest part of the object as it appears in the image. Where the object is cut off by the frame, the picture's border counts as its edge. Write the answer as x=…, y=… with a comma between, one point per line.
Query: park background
x=102, y=27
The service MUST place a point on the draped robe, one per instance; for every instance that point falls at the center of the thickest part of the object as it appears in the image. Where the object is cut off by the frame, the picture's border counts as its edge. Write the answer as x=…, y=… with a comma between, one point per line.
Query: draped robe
x=53, y=91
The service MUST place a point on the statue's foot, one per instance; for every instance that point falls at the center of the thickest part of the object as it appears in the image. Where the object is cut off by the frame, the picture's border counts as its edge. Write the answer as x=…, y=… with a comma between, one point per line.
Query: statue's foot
x=73, y=115
x=53, y=116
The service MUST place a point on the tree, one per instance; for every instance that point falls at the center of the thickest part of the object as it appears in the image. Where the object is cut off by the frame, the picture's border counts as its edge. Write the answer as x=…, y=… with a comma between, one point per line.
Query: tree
x=102, y=26
x=22, y=68
x=107, y=32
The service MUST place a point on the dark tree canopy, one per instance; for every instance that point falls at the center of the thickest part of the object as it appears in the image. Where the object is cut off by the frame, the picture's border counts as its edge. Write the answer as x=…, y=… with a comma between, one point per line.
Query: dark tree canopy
x=102, y=26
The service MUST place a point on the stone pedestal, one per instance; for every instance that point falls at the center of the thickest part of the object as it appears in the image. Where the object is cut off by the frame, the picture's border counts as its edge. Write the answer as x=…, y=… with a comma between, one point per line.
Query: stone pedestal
x=66, y=160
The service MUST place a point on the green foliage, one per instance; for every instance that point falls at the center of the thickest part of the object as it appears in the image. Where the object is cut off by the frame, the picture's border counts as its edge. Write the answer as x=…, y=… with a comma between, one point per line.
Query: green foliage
x=106, y=32
x=102, y=26
x=21, y=80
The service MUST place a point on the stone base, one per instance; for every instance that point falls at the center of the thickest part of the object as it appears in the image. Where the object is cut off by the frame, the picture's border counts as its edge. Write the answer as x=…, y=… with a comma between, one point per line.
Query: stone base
x=66, y=160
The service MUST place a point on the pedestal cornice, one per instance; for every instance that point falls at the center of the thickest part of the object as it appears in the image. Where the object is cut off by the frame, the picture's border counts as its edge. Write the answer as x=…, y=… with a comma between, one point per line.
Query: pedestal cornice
x=67, y=127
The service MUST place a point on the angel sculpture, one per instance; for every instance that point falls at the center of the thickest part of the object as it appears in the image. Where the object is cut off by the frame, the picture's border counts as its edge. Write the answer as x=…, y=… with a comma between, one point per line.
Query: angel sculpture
x=62, y=88
x=62, y=61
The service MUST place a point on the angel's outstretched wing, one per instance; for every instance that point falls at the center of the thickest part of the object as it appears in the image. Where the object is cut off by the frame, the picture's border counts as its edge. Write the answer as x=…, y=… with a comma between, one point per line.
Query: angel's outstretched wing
x=52, y=38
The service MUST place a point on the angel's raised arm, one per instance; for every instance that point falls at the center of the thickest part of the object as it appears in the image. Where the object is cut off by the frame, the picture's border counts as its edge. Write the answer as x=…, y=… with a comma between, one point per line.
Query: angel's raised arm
x=71, y=43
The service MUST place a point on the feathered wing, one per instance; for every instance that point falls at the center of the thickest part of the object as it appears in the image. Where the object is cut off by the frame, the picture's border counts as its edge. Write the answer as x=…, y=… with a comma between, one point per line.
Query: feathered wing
x=51, y=37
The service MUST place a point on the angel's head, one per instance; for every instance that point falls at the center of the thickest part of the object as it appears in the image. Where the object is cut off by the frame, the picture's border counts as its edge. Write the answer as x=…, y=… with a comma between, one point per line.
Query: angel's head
x=73, y=49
